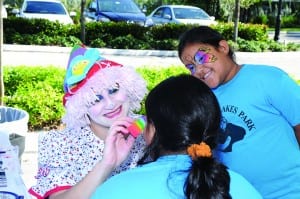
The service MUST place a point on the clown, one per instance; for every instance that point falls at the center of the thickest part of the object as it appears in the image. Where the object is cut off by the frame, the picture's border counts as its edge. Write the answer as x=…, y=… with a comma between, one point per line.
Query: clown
x=100, y=99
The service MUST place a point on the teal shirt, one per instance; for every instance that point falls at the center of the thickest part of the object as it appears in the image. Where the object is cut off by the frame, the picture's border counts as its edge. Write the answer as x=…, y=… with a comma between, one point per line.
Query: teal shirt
x=260, y=106
x=164, y=179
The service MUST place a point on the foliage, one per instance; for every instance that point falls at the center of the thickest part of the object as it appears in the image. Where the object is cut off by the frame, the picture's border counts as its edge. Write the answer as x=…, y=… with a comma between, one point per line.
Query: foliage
x=129, y=36
x=249, y=46
x=110, y=30
x=128, y=42
x=98, y=43
x=38, y=90
x=72, y=5
x=288, y=21
x=255, y=32
x=276, y=47
x=170, y=31
x=13, y=3
x=165, y=44
x=293, y=47
x=260, y=19
x=228, y=5
x=38, y=32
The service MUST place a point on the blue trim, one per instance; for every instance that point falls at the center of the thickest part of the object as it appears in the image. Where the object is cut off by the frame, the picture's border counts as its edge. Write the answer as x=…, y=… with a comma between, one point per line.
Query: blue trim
x=13, y=194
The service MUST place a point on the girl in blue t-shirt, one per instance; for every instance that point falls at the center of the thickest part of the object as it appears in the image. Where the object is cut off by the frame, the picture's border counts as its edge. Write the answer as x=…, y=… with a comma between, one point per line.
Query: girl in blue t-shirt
x=260, y=107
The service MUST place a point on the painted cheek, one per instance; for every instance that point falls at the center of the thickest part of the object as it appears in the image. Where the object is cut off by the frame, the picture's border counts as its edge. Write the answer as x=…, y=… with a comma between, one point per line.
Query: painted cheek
x=96, y=109
x=121, y=97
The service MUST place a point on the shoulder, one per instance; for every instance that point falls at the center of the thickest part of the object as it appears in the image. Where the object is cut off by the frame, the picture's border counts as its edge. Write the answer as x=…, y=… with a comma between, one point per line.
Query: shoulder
x=265, y=76
x=262, y=70
x=241, y=188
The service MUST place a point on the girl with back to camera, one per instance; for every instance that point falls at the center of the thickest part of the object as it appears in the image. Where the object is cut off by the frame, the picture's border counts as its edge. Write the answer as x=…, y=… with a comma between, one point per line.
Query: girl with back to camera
x=260, y=106
x=183, y=121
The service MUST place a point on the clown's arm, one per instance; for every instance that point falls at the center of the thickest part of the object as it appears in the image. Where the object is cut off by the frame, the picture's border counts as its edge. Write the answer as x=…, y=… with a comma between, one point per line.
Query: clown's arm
x=117, y=148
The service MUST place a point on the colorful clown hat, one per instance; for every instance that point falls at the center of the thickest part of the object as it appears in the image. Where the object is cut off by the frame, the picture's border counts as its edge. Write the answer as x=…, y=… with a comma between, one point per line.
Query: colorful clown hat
x=82, y=65
x=88, y=74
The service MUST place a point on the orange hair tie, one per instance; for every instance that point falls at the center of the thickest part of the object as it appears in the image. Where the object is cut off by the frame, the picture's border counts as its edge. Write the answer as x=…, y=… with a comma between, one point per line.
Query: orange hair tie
x=199, y=150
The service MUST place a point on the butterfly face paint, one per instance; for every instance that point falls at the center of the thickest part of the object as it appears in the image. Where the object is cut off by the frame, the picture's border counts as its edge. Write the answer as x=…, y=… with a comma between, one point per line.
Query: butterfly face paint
x=202, y=56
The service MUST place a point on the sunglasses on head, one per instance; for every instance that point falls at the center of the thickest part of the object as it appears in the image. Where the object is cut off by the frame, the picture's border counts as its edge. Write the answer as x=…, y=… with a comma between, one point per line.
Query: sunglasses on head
x=202, y=56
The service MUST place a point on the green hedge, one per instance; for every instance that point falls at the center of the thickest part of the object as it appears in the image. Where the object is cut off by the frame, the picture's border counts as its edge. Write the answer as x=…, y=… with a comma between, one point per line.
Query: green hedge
x=130, y=36
x=39, y=90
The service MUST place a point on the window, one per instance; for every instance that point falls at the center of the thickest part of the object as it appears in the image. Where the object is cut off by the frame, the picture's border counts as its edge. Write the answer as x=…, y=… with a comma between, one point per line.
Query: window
x=44, y=7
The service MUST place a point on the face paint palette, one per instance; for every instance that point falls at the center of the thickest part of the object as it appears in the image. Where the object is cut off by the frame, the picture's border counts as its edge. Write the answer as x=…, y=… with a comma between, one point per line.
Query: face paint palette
x=137, y=127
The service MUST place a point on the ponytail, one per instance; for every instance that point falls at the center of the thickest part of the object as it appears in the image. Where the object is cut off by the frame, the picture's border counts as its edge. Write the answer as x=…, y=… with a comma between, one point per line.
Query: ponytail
x=207, y=178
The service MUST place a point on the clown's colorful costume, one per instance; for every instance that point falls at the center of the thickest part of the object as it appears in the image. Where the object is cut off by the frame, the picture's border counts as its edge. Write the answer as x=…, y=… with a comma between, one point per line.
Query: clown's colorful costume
x=67, y=156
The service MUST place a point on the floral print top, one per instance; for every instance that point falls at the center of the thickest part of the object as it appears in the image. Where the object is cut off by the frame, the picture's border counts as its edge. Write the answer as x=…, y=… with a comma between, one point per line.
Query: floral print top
x=65, y=157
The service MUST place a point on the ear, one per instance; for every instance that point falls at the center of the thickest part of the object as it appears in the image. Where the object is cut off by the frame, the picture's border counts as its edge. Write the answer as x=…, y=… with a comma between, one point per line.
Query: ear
x=224, y=46
x=149, y=134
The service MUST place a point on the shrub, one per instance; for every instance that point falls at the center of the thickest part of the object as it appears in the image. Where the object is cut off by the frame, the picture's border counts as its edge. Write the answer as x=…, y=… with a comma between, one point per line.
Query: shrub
x=276, y=47
x=261, y=19
x=125, y=36
x=293, y=47
x=98, y=43
x=127, y=42
x=249, y=46
x=39, y=91
x=288, y=21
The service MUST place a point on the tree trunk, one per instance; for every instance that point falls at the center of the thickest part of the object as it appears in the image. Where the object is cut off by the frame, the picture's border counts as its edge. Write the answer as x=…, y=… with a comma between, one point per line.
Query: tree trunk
x=236, y=19
x=1, y=55
x=82, y=22
x=278, y=20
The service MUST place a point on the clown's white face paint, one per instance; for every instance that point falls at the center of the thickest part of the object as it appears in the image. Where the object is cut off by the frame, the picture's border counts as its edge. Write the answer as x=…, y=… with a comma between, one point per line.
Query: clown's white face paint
x=111, y=105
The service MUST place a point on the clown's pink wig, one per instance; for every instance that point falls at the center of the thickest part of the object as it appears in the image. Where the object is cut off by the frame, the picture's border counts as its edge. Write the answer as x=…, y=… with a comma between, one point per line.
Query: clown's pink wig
x=82, y=94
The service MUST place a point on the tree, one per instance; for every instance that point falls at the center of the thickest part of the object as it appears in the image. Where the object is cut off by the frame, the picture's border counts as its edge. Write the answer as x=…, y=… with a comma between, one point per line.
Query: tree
x=72, y=5
x=14, y=3
x=236, y=19
x=1, y=52
x=278, y=21
x=228, y=6
x=82, y=22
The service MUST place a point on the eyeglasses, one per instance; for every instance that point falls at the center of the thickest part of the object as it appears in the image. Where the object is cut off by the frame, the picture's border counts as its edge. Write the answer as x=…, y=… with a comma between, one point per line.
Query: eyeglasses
x=202, y=56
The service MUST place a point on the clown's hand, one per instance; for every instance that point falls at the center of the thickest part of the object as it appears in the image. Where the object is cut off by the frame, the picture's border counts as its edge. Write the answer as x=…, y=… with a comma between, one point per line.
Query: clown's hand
x=118, y=143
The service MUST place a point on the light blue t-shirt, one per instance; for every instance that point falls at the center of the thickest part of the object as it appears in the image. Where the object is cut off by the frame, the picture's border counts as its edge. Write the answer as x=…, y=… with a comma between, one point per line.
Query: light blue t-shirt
x=164, y=179
x=260, y=106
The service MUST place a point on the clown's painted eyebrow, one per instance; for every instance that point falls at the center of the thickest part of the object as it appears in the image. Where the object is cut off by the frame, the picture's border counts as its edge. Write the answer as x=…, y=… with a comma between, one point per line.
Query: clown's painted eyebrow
x=113, y=89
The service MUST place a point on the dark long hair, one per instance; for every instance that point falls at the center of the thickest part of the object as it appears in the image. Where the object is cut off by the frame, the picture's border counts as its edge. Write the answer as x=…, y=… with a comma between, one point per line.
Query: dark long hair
x=185, y=111
x=204, y=35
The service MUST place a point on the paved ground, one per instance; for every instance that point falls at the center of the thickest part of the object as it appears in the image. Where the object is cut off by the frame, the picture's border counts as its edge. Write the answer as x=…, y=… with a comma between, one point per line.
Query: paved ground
x=29, y=159
x=15, y=55
x=287, y=36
